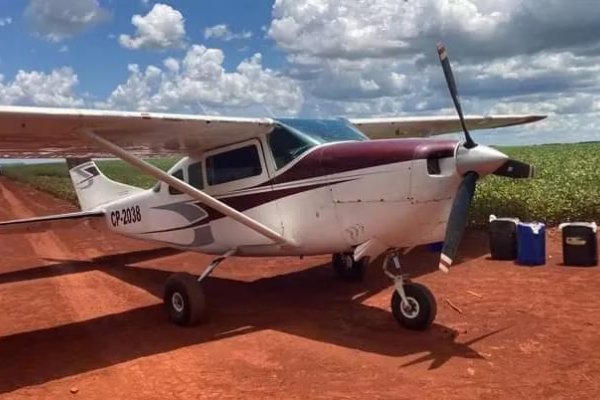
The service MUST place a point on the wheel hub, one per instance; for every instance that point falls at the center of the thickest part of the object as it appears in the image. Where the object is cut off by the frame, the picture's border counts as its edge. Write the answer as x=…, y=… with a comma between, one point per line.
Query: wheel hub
x=177, y=302
x=410, y=308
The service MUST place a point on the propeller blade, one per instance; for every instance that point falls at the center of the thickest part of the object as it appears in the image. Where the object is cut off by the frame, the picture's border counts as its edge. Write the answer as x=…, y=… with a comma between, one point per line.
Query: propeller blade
x=516, y=169
x=469, y=143
x=457, y=221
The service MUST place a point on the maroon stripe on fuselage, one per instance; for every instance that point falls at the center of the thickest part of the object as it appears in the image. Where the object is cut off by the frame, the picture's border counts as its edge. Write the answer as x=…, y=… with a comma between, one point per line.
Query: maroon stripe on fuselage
x=349, y=156
x=247, y=201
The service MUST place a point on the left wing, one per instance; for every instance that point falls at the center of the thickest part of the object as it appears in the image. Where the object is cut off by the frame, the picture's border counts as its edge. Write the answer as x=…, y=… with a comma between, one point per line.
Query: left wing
x=36, y=132
x=398, y=127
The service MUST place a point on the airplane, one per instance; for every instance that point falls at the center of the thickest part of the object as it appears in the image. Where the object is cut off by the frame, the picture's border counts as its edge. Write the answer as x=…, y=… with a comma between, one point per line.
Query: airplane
x=357, y=189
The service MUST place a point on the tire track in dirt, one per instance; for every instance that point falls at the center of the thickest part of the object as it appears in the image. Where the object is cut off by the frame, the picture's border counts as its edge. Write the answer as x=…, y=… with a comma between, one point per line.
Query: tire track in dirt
x=86, y=294
x=68, y=295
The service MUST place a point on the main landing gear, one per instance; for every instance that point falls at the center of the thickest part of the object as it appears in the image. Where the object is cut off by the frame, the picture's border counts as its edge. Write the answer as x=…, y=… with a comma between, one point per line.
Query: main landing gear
x=184, y=298
x=413, y=305
x=345, y=268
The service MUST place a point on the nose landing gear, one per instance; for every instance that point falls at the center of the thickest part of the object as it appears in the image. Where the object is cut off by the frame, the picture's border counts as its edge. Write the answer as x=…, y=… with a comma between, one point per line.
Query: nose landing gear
x=413, y=305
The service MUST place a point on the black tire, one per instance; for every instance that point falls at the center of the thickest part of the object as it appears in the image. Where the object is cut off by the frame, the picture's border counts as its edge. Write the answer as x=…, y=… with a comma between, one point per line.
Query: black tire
x=184, y=300
x=347, y=269
x=425, y=313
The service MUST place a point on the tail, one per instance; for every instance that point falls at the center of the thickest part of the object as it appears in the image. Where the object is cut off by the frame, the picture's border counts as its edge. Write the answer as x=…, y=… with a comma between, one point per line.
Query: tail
x=92, y=187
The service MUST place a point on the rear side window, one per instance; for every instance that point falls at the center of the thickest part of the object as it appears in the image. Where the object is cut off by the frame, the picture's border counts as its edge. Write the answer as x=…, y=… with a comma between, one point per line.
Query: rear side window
x=195, y=175
x=233, y=165
x=179, y=175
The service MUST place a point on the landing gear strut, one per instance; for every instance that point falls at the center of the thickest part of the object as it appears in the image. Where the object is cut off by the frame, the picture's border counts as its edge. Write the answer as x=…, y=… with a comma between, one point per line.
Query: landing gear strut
x=184, y=298
x=413, y=305
x=347, y=269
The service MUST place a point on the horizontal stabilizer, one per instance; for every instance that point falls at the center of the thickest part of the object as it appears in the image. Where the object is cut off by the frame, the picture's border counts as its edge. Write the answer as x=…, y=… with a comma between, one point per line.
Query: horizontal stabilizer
x=49, y=222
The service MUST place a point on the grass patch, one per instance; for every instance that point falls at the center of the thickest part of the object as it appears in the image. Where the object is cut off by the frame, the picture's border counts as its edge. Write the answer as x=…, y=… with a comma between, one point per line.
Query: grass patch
x=567, y=187
x=54, y=177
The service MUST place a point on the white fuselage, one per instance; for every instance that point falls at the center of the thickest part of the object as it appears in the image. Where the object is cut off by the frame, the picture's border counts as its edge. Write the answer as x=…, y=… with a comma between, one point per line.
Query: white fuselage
x=332, y=198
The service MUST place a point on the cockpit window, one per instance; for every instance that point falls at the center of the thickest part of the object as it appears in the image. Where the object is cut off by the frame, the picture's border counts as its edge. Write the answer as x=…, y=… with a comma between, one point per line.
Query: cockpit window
x=287, y=145
x=294, y=136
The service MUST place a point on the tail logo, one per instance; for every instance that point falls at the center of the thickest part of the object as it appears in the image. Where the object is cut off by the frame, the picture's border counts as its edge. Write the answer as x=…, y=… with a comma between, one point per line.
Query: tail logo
x=86, y=173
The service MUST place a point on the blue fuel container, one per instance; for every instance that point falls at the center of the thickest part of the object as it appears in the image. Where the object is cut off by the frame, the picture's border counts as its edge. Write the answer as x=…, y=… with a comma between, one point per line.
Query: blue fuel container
x=531, y=243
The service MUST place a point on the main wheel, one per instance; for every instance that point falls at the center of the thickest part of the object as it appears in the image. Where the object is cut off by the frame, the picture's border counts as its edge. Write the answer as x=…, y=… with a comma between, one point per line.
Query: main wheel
x=347, y=269
x=184, y=300
x=420, y=311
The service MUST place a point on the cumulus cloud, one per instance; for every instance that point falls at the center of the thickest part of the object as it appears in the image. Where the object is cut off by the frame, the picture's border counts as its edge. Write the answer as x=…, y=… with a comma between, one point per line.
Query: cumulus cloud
x=378, y=57
x=222, y=32
x=162, y=28
x=5, y=21
x=57, y=20
x=41, y=89
x=200, y=79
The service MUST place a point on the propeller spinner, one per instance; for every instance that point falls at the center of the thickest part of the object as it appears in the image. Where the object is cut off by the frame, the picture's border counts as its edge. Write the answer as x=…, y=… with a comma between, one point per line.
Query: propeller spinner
x=473, y=161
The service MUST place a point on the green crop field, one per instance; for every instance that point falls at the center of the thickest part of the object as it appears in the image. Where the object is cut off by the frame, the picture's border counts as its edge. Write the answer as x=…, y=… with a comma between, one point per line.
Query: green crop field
x=54, y=177
x=567, y=187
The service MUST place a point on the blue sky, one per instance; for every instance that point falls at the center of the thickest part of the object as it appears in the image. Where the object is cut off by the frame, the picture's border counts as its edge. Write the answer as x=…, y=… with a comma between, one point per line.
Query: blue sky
x=96, y=50
x=310, y=58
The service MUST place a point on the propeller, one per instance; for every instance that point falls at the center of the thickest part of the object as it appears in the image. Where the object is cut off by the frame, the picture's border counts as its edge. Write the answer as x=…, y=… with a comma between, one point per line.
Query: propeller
x=469, y=142
x=473, y=161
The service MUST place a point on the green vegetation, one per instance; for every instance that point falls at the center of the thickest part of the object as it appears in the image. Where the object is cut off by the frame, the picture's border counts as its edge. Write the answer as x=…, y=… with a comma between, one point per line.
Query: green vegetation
x=54, y=177
x=567, y=186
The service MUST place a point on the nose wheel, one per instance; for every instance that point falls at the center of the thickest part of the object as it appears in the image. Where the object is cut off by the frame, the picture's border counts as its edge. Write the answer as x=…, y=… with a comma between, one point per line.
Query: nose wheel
x=413, y=304
x=419, y=310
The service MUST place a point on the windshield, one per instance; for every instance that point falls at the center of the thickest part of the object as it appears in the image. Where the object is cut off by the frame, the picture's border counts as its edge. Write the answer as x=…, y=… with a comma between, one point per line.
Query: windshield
x=295, y=136
x=324, y=130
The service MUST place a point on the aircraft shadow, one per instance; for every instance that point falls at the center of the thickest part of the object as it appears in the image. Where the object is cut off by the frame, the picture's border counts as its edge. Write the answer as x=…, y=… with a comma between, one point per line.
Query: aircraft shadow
x=308, y=303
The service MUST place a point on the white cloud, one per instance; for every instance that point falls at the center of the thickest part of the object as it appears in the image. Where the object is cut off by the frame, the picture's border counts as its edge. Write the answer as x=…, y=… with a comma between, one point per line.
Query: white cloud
x=223, y=32
x=5, y=21
x=201, y=79
x=57, y=20
x=41, y=89
x=378, y=57
x=162, y=28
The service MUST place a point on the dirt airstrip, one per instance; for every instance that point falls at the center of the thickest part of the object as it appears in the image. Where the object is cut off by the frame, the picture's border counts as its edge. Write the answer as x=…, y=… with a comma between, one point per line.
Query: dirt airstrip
x=80, y=317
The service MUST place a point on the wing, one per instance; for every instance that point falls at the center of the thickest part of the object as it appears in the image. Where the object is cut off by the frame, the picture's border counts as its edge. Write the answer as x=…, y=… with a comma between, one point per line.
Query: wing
x=33, y=132
x=50, y=222
x=381, y=128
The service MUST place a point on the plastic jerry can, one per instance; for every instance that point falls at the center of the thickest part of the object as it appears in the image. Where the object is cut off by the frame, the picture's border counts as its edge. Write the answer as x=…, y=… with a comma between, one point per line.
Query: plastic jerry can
x=503, y=238
x=579, y=243
x=531, y=243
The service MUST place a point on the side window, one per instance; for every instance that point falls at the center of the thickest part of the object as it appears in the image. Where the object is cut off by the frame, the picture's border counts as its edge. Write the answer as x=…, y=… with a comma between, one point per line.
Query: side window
x=232, y=165
x=179, y=175
x=195, y=175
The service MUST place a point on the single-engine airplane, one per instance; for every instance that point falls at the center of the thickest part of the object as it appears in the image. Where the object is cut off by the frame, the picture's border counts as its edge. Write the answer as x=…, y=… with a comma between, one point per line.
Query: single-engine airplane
x=354, y=188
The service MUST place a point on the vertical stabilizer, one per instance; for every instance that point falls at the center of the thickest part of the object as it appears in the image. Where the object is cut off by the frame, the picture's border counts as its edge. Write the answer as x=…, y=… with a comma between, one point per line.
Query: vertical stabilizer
x=93, y=188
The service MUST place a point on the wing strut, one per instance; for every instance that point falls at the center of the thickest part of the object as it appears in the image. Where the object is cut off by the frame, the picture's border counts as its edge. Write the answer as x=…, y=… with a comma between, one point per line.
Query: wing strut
x=188, y=189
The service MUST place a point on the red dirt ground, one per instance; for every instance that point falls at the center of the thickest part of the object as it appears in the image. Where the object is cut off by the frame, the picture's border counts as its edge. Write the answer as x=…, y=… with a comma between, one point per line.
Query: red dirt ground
x=81, y=312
